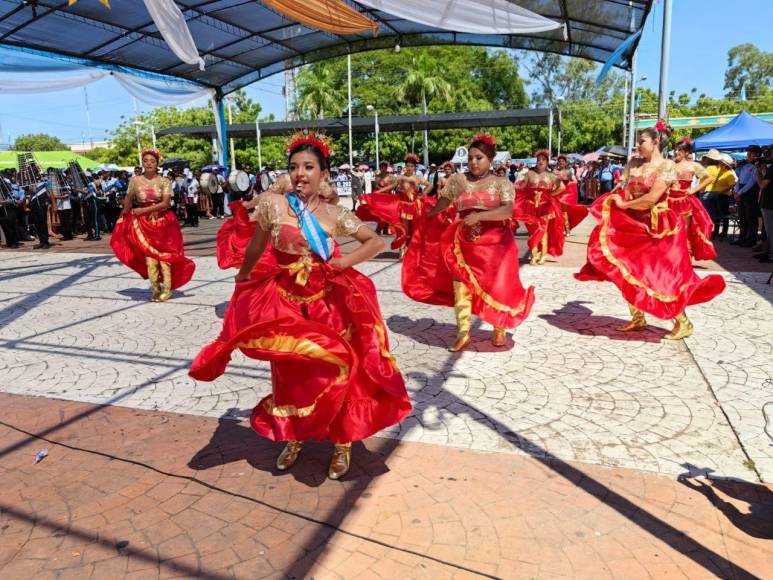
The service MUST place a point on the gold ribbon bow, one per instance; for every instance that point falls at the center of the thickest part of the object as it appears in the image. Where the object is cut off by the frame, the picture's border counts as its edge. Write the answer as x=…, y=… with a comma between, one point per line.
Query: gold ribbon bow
x=301, y=269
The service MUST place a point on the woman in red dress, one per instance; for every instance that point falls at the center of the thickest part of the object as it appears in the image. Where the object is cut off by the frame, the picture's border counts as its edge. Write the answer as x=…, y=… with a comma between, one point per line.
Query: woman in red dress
x=148, y=238
x=573, y=212
x=314, y=318
x=537, y=204
x=640, y=244
x=472, y=263
x=399, y=211
x=683, y=200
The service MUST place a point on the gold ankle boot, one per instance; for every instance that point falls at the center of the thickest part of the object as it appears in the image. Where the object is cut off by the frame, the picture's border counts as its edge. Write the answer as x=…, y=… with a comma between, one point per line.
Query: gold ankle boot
x=535, y=255
x=153, y=278
x=499, y=338
x=341, y=461
x=166, y=286
x=682, y=328
x=289, y=455
x=638, y=322
x=543, y=250
x=463, y=311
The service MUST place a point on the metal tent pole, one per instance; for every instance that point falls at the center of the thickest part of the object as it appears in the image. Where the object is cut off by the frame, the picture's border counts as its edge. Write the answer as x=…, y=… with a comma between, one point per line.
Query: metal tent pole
x=665, y=54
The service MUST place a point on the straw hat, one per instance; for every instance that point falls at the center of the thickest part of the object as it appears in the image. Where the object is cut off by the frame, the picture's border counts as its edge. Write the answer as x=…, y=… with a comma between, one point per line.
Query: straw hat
x=714, y=155
x=727, y=160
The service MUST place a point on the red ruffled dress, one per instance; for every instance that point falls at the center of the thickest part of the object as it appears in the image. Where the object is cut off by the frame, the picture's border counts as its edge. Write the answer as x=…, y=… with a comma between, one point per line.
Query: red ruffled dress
x=234, y=236
x=333, y=377
x=484, y=257
x=573, y=211
x=697, y=220
x=644, y=252
x=155, y=235
x=538, y=207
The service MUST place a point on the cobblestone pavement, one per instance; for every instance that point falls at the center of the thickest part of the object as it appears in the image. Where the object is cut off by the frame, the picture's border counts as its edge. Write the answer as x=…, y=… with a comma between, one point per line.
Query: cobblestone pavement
x=147, y=494
x=81, y=327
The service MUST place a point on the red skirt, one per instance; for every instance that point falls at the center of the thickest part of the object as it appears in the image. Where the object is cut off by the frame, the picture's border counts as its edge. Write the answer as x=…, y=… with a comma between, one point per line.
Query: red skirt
x=573, y=211
x=332, y=375
x=699, y=227
x=541, y=214
x=234, y=236
x=158, y=236
x=384, y=207
x=484, y=257
x=645, y=255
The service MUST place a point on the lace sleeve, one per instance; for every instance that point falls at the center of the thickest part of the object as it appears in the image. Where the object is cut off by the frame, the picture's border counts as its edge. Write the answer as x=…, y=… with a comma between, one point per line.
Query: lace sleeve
x=133, y=187
x=700, y=171
x=506, y=190
x=266, y=213
x=667, y=171
x=452, y=188
x=165, y=187
x=347, y=223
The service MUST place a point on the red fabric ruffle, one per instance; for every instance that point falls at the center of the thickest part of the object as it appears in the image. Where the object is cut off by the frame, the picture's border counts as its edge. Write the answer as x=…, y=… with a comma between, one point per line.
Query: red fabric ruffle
x=332, y=375
x=234, y=236
x=156, y=236
x=699, y=224
x=649, y=262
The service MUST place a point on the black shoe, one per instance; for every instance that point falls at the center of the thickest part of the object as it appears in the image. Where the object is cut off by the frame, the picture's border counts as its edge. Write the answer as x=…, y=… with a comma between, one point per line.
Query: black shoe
x=28, y=238
x=96, y=239
x=41, y=246
x=67, y=239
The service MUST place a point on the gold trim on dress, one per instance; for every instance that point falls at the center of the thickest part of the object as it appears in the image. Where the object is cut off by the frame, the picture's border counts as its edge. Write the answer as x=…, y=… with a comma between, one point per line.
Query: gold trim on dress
x=489, y=300
x=303, y=299
x=144, y=241
x=303, y=347
x=624, y=271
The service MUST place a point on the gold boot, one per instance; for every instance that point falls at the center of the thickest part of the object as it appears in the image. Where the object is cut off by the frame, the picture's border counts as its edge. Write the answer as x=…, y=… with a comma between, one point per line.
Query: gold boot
x=463, y=311
x=682, y=328
x=341, y=461
x=543, y=250
x=166, y=286
x=535, y=255
x=153, y=278
x=289, y=455
x=499, y=338
x=638, y=322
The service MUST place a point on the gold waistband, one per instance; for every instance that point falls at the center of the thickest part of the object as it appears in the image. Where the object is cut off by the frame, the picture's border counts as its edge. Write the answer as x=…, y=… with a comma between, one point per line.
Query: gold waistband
x=301, y=269
x=303, y=299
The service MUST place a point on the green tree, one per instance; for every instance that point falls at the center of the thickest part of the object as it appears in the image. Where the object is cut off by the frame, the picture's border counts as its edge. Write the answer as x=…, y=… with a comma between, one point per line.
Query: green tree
x=748, y=68
x=317, y=93
x=422, y=84
x=39, y=142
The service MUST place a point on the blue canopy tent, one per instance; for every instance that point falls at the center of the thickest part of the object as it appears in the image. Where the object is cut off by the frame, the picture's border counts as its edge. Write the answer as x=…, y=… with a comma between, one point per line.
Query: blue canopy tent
x=739, y=133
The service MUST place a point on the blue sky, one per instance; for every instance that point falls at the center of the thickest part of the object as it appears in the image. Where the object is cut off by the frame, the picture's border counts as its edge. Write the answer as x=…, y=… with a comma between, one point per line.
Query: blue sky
x=702, y=33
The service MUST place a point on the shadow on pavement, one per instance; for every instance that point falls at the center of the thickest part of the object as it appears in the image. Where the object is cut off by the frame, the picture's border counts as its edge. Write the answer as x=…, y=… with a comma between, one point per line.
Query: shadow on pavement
x=578, y=319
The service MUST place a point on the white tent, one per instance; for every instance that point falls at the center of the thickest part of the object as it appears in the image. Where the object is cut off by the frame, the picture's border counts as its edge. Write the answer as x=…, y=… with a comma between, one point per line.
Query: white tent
x=460, y=157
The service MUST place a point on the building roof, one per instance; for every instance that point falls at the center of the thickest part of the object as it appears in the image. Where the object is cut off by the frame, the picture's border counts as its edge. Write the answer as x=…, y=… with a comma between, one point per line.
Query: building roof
x=243, y=41
x=386, y=124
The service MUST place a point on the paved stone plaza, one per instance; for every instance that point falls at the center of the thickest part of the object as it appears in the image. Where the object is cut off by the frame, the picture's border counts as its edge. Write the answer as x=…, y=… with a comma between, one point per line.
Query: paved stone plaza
x=571, y=386
x=501, y=471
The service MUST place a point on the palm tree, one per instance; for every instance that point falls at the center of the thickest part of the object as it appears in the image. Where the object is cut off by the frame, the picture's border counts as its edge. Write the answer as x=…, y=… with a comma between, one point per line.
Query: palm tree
x=421, y=85
x=317, y=95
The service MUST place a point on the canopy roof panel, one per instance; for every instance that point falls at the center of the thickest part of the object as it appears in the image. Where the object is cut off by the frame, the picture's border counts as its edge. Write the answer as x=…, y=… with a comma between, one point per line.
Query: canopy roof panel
x=243, y=41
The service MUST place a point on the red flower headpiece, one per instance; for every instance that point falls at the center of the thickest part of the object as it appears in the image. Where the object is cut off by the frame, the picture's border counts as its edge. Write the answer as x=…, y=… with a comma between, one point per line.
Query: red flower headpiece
x=483, y=138
x=543, y=153
x=152, y=152
x=412, y=158
x=686, y=141
x=661, y=126
x=314, y=139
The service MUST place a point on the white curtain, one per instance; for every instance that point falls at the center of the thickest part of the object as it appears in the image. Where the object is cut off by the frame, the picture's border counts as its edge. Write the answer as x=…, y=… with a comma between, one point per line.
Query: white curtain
x=171, y=24
x=25, y=85
x=472, y=16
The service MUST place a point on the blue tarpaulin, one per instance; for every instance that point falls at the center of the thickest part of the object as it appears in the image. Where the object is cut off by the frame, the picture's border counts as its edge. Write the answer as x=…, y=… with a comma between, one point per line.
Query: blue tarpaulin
x=739, y=133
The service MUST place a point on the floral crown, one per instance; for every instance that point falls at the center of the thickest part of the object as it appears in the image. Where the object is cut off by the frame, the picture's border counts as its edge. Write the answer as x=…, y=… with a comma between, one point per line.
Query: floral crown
x=152, y=152
x=543, y=153
x=317, y=140
x=686, y=141
x=412, y=158
x=483, y=138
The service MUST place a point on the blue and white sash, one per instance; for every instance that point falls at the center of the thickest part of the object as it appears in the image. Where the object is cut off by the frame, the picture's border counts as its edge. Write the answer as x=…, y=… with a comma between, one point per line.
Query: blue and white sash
x=310, y=228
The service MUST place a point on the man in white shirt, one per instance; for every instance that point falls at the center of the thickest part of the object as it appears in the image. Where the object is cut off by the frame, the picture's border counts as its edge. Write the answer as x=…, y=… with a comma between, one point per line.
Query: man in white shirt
x=192, y=200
